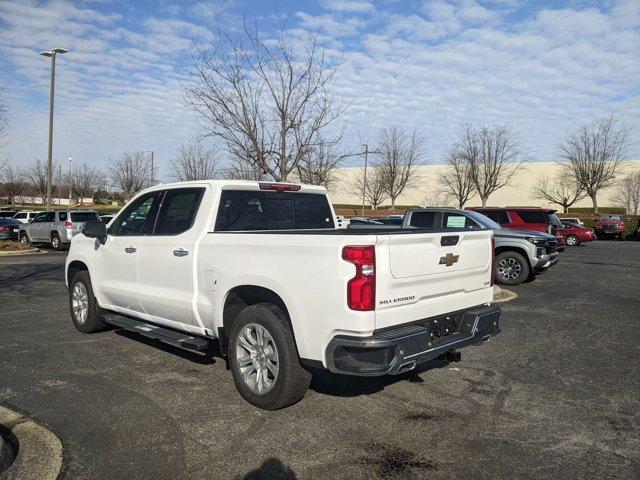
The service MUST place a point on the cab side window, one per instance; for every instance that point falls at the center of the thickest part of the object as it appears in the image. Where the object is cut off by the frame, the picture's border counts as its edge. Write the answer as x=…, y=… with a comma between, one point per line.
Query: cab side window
x=139, y=217
x=49, y=217
x=178, y=210
x=423, y=219
x=40, y=217
x=456, y=220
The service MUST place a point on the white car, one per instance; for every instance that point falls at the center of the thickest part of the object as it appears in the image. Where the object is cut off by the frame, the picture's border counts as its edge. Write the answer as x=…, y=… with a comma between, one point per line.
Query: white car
x=26, y=216
x=262, y=269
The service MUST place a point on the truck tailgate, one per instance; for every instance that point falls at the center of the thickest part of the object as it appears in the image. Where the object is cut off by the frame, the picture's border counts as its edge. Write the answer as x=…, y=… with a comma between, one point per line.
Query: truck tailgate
x=428, y=274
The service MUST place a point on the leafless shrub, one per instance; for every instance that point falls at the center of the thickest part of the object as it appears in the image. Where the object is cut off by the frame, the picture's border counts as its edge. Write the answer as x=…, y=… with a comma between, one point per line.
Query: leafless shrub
x=628, y=193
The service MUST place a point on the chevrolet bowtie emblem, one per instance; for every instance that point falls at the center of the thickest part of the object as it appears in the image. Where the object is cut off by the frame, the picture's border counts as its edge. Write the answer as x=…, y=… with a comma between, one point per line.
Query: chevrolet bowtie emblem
x=449, y=259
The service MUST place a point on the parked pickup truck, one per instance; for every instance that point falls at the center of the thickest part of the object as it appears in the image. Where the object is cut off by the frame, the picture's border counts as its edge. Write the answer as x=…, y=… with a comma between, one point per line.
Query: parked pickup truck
x=520, y=254
x=262, y=269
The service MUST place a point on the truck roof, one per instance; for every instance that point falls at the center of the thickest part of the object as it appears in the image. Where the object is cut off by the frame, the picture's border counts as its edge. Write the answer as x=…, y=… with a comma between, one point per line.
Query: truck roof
x=241, y=184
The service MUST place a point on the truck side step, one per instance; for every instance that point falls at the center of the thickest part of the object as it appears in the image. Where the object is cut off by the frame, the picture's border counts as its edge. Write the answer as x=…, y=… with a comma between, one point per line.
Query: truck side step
x=166, y=335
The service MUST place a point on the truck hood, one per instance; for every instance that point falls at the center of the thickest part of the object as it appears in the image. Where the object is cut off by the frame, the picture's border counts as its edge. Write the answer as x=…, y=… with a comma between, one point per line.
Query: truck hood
x=517, y=233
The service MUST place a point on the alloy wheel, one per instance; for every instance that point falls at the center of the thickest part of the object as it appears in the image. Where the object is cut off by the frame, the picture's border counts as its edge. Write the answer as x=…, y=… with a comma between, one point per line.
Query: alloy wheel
x=80, y=302
x=509, y=269
x=257, y=358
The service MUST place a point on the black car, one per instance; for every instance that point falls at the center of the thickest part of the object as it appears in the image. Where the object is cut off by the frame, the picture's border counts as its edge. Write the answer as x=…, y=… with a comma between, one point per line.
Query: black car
x=9, y=228
x=7, y=213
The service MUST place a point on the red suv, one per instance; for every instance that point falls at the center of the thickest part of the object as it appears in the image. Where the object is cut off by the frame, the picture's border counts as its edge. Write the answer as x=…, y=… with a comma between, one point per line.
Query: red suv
x=610, y=226
x=527, y=218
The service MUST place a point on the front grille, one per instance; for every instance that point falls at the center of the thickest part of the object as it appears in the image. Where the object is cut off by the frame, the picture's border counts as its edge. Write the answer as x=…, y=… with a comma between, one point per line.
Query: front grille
x=609, y=227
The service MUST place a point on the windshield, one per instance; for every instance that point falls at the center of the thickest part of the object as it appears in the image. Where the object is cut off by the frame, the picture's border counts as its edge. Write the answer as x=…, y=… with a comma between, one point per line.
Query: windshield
x=612, y=218
x=84, y=217
x=553, y=220
x=483, y=220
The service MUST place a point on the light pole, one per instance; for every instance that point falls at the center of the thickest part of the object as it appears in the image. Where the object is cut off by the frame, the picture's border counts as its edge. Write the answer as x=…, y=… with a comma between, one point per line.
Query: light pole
x=70, y=178
x=151, y=152
x=52, y=54
x=364, y=183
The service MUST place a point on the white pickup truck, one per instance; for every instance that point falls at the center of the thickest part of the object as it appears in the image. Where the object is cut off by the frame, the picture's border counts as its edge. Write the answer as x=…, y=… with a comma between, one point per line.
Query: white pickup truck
x=261, y=271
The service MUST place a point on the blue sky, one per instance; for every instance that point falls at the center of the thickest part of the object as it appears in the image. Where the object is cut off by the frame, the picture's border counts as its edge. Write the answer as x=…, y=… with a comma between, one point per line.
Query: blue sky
x=541, y=67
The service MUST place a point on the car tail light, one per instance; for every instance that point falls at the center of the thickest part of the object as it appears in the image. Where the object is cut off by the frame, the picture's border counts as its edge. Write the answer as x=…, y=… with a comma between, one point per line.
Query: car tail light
x=361, y=289
x=4, y=229
x=279, y=187
x=493, y=258
x=68, y=225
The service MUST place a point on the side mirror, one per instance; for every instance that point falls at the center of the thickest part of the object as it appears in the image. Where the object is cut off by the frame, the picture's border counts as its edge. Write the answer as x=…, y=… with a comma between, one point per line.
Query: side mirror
x=95, y=230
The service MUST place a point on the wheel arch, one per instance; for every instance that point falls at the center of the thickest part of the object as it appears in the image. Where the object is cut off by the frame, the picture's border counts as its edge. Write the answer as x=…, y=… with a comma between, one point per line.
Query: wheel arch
x=510, y=248
x=241, y=296
x=74, y=267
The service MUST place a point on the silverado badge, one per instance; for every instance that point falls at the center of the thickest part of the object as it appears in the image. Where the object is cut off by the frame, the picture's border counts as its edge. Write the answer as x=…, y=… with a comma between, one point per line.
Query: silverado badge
x=449, y=259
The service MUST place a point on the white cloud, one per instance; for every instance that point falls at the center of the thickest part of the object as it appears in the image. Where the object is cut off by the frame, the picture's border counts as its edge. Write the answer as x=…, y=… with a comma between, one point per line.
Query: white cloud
x=348, y=6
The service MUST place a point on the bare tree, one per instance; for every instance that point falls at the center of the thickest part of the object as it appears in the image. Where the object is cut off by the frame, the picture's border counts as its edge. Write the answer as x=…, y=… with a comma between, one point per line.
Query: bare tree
x=131, y=172
x=86, y=180
x=561, y=190
x=628, y=193
x=238, y=169
x=456, y=179
x=438, y=199
x=36, y=175
x=493, y=156
x=319, y=166
x=267, y=102
x=374, y=191
x=194, y=162
x=13, y=181
x=594, y=154
x=397, y=161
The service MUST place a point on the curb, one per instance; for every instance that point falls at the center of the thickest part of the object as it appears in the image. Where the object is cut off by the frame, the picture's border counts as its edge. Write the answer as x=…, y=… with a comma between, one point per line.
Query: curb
x=40, y=451
x=19, y=253
x=502, y=295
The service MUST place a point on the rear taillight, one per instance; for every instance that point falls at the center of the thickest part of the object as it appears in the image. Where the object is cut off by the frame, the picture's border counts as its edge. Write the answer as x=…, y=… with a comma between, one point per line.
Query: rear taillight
x=493, y=258
x=68, y=225
x=4, y=229
x=361, y=289
x=279, y=187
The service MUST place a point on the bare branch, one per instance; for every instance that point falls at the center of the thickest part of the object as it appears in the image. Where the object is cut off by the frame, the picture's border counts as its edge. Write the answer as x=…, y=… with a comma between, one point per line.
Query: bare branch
x=318, y=167
x=194, y=162
x=561, y=190
x=12, y=181
x=397, y=161
x=267, y=103
x=628, y=193
x=456, y=179
x=86, y=180
x=131, y=172
x=374, y=193
x=593, y=155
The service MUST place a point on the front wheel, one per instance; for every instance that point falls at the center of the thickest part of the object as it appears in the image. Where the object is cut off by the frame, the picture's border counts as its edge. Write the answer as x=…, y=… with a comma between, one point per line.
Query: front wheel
x=511, y=268
x=572, y=240
x=85, y=312
x=264, y=359
x=24, y=240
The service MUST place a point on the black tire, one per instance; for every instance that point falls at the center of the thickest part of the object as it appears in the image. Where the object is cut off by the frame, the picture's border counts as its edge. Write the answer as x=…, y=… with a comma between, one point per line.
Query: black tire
x=576, y=239
x=24, y=239
x=56, y=243
x=93, y=321
x=522, y=268
x=292, y=380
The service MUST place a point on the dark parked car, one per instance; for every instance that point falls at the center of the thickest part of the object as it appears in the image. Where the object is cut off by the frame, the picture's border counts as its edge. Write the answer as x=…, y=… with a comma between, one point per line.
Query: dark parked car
x=392, y=220
x=9, y=228
x=7, y=213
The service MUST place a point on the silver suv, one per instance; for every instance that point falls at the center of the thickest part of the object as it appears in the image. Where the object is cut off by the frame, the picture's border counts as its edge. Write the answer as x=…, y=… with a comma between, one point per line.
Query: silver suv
x=56, y=227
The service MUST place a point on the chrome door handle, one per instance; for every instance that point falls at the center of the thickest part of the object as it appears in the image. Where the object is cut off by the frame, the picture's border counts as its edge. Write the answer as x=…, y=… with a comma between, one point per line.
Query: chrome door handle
x=130, y=249
x=180, y=252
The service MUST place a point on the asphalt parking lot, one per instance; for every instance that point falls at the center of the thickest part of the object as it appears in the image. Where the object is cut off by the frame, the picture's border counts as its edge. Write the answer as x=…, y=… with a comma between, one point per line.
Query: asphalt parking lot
x=556, y=394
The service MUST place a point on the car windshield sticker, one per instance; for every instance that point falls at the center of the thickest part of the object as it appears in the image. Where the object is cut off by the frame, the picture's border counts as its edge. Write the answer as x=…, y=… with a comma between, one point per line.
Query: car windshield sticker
x=455, y=222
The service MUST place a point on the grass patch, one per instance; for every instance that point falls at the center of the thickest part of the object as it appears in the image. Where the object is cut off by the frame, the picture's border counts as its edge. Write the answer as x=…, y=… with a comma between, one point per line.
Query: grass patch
x=11, y=246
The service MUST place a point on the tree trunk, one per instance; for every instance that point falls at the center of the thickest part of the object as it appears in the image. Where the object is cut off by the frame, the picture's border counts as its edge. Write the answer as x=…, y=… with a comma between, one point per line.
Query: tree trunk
x=484, y=201
x=393, y=203
x=565, y=208
x=595, y=204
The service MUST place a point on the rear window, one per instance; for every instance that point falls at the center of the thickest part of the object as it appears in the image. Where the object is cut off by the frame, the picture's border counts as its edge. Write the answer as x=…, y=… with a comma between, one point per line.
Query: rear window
x=423, y=219
x=242, y=210
x=532, y=216
x=84, y=217
x=553, y=220
x=62, y=216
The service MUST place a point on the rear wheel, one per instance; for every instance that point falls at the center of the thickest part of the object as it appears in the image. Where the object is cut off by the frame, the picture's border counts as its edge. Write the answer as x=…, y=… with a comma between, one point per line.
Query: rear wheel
x=56, y=244
x=572, y=240
x=264, y=359
x=85, y=312
x=511, y=268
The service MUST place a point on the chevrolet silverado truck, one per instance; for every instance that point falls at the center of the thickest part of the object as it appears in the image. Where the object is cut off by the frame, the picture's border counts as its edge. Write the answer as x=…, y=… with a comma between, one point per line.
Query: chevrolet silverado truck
x=520, y=254
x=260, y=271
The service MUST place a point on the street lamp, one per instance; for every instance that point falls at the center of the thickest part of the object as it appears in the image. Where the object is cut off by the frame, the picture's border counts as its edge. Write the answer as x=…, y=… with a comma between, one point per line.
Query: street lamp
x=70, y=178
x=52, y=54
x=151, y=152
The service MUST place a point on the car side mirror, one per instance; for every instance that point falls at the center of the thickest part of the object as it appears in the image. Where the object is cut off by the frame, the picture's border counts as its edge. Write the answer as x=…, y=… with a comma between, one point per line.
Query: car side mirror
x=95, y=230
